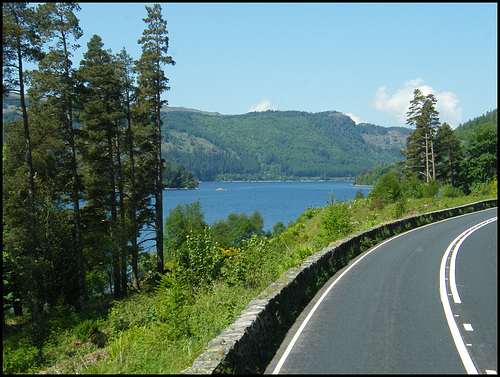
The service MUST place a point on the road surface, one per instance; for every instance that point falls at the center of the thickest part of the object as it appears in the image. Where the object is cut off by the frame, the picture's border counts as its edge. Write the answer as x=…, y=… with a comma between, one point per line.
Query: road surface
x=394, y=308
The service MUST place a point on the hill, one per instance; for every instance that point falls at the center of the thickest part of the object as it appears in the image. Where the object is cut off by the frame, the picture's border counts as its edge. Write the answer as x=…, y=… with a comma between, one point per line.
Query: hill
x=277, y=145
x=463, y=130
x=271, y=145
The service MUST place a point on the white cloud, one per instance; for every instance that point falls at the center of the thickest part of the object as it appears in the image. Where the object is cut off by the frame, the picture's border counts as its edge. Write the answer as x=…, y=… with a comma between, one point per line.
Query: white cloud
x=263, y=105
x=398, y=103
x=356, y=119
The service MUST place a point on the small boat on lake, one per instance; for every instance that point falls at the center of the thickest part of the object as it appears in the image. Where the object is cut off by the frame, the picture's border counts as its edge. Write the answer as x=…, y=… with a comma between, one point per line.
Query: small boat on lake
x=220, y=189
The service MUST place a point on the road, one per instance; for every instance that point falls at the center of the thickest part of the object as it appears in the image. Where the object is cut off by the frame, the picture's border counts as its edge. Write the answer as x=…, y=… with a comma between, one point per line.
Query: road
x=383, y=313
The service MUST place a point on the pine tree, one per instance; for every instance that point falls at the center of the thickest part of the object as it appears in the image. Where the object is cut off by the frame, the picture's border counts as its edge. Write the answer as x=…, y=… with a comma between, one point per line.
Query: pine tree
x=152, y=83
x=101, y=116
x=57, y=22
x=448, y=156
x=21, y=43
x=420, y=145
x=125, y=72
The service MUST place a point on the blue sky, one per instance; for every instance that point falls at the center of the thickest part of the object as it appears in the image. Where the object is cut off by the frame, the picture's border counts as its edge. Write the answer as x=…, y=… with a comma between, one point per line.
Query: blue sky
x=363, y=60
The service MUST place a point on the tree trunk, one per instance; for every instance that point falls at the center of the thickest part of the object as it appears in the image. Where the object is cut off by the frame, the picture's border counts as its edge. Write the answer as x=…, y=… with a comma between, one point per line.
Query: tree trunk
x=159, y=189
x=433, y=167
x=123, y=256
x=426, y=160
x=133, y=205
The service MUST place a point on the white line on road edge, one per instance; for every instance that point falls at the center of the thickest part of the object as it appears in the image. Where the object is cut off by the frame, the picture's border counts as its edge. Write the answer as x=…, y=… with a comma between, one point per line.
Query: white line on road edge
x=455, y=333
x=311, y=313
x=303, y=325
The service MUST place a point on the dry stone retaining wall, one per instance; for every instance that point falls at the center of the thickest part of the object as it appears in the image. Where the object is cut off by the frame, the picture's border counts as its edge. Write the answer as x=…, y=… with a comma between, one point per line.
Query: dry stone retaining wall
x=249, y=343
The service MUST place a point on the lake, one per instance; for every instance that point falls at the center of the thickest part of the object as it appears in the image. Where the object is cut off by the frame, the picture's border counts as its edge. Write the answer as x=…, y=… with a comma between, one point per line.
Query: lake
x=276, y=201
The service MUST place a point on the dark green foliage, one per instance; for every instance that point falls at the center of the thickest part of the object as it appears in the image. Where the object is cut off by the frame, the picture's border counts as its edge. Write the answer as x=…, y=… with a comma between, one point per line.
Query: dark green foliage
x=272, y=145
x=370, y=177
x=480, y=163
x=86, y=329
x=388, y=187
x=178, y=177
x=451, y=192
x=336, y=219
x=464, y=130
x=183, y=220
x=448, y=156
x=238, y=227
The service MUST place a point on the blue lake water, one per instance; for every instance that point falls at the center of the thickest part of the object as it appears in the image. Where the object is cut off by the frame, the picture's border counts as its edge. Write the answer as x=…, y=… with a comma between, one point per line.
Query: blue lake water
x=276, y=201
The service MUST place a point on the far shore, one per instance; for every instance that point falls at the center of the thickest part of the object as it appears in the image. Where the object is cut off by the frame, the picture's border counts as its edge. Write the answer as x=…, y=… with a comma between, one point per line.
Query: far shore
x=272, y=181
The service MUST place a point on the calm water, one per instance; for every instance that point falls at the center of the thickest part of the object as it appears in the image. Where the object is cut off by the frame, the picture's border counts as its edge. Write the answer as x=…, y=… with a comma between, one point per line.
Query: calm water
x=277, y=201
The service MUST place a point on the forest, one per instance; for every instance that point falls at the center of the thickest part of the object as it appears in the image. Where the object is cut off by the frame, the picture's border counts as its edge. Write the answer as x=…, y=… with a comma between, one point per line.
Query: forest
x=277, y=145
x=465, y=156
x=86, y=155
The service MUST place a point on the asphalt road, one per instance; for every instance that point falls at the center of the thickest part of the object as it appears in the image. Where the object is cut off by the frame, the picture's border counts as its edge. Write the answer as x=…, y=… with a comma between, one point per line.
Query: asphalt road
x=385, y=313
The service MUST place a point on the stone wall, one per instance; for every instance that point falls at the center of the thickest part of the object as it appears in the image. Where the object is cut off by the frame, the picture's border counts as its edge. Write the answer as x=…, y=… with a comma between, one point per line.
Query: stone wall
x=249, y=343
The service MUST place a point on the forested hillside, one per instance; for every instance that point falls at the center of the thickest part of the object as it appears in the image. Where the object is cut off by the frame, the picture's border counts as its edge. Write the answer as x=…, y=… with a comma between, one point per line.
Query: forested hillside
x=277, y=145
x=272, y=145
x=464, y=130
x=474, y=154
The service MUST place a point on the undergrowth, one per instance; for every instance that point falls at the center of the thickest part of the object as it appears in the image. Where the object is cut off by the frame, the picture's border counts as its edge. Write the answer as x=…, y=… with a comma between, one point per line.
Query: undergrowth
x=164, y=329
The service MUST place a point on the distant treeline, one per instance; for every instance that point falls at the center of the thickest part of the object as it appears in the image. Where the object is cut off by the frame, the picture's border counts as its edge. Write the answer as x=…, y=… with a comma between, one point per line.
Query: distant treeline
x=474, y=136
x=277, y=145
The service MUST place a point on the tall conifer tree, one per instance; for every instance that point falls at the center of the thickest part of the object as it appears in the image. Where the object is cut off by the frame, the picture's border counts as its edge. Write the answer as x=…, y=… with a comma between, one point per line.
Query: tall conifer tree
x=21, y=43
x=420, y=146
x=125, y=65
x=101, y=115
x=58, y=23
x=153, y=83
x=448, y=156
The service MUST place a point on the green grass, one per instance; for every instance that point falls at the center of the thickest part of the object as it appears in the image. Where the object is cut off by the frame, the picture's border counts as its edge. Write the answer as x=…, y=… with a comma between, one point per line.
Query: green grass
x=165, y=329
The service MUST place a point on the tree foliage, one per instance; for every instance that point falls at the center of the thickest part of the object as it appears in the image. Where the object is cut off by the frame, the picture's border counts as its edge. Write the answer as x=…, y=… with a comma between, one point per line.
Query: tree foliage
x=275, y=145
x=89, y=180
x=419, y=151
x=152, y=82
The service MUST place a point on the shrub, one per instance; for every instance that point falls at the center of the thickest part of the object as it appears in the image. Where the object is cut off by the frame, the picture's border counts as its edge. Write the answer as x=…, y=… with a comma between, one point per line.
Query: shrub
x=336, y=219
x=449, y=191
x=388, y=187
x=413, y=188
x=400, y=207
x=431, y=189
x=198, y=259
x=85, y=329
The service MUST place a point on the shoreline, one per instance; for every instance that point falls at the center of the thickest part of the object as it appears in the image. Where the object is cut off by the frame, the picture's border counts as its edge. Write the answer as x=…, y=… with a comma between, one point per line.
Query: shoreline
x=272, y=181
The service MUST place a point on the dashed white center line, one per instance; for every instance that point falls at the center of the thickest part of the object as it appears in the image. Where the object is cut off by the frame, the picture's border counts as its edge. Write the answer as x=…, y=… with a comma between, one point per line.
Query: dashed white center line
x=468, y=327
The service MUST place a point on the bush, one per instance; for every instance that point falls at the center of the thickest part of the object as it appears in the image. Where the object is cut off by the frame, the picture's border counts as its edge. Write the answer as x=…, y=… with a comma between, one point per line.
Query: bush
x=400, y=208
x=336, y=219
x=388, y=187
x=198, y=259
x=449, y=191
x=413, y=188
x=430, y=190
x=86, y=329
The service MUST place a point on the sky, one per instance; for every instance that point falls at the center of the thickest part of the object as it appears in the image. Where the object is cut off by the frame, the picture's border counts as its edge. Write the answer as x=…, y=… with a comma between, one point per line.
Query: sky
x=361, y=59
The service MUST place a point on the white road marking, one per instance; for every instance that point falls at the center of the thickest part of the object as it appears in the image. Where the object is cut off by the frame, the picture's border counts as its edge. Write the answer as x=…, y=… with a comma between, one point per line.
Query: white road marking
x=468, y=327
x=490, y=371
x=315, y=307
x=455, y=333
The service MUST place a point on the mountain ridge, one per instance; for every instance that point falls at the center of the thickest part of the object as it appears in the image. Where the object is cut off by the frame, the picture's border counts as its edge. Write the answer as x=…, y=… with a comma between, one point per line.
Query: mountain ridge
x=277, y=144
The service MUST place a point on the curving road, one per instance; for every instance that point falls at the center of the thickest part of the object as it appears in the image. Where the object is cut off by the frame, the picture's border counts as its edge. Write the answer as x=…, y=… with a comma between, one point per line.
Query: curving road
x=384, y=312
